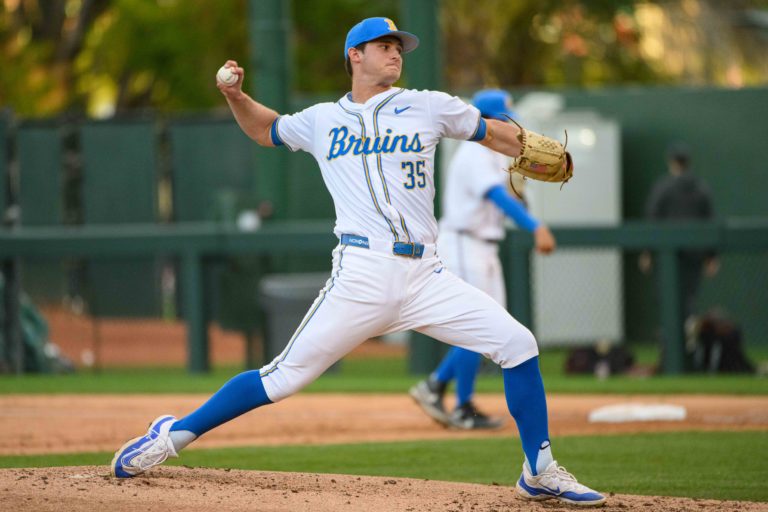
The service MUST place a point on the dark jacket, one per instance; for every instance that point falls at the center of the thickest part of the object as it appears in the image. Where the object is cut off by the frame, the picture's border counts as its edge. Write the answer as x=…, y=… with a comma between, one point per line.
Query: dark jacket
x=681, y=198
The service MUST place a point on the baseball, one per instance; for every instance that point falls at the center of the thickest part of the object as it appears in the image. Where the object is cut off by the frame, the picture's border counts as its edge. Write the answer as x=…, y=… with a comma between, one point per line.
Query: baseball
x=225, y=76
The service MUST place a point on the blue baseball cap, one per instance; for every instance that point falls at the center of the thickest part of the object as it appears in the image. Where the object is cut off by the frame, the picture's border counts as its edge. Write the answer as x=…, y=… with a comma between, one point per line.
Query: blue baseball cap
x=374, y=28
x=493, y=103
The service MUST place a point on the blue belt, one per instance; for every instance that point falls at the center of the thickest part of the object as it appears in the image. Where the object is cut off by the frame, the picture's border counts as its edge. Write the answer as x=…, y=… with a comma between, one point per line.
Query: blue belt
x=409, y=250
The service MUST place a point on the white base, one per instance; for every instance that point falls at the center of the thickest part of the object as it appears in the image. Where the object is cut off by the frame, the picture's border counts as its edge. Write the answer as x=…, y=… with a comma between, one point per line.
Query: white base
x=621, y=413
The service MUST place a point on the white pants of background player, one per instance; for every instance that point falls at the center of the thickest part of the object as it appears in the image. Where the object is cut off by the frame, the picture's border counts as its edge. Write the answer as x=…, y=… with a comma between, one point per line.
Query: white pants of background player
x=373, y=292
x=475, y=261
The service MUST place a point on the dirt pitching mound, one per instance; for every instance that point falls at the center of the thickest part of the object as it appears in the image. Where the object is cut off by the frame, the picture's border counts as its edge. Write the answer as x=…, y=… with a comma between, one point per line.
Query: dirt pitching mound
x=91, y=488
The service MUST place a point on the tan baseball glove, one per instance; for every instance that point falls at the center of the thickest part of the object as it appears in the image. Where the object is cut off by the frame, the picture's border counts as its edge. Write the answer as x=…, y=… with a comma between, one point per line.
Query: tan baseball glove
x=541, y=158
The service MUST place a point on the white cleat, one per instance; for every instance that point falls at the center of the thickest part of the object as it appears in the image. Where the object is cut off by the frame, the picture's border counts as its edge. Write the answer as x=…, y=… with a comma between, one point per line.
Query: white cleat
x=555, y=482
x=144, y=452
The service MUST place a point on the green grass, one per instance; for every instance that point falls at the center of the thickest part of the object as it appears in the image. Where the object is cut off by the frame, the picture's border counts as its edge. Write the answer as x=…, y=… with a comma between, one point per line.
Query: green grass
x=716, y=465
x=383, y=376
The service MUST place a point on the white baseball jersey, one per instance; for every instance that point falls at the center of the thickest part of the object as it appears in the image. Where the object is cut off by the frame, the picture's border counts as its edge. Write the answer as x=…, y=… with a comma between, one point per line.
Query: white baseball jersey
x=377, y=160
x=473, y=171
x=471, y=225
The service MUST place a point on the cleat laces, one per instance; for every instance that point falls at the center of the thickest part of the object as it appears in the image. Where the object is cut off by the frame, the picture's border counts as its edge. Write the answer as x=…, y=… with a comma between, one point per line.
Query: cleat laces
x=565, y=480
x=149, y=457
x=565, y=475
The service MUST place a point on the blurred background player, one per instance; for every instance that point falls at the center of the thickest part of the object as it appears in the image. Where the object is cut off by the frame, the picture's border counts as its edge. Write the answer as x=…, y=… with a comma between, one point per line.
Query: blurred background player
x=682, y=196
x=476, y=202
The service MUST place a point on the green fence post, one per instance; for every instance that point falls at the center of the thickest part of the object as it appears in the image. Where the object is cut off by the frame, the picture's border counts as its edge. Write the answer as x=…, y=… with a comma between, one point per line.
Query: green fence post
x=423, y=67
x=11, y=299
x=423, y=71
x=4, y=333
x=673, y=341
x=516, y=251
x=270, y=54
x=4, y=143
x=11, y=337
x=194, y=312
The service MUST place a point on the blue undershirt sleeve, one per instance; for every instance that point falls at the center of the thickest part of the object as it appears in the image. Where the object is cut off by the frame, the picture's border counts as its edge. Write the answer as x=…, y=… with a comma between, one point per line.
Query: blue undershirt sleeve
x=480, y=131
x=511, y=207
x=276, y=140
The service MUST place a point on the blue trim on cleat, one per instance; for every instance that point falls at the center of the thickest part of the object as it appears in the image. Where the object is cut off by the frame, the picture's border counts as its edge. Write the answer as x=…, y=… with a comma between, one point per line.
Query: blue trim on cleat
x=129, y=450
x=589, y=497
x=555, y=493
x=539, y=492
x=534, y=492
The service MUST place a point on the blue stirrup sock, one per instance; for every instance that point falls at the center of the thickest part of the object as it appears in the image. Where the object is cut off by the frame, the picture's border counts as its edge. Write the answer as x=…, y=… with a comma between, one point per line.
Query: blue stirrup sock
x=242, y=393
x=467, y=365
x=461, y=364
x=527, y=404
x=446, y=370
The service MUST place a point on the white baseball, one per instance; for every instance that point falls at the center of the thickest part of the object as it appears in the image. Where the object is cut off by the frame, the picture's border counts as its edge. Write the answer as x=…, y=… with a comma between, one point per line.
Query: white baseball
x=225, y=76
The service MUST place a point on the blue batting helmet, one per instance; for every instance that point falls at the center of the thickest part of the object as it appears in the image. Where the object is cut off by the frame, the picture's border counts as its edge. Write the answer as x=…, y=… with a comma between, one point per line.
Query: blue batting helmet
x=493, y=103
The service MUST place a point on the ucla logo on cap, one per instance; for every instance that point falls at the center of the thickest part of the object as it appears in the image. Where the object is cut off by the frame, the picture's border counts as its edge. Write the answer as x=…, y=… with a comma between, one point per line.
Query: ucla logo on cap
x=391, y=24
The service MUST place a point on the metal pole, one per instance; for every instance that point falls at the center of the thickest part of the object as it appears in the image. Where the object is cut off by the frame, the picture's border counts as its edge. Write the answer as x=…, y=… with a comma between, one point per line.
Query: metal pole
x=12, y=349
x=194, y=312
x=423, y=67
x=423, y=71
x=517, y=252
x=10, y=217
x=270, y=83
x=671, y=312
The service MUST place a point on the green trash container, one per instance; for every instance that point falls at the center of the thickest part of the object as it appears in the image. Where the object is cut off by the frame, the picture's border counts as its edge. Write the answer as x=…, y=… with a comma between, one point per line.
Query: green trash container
x=285, y=299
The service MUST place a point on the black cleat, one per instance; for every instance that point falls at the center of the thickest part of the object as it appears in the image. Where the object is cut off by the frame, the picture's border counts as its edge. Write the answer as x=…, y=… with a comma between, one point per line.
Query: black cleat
x=467, y=417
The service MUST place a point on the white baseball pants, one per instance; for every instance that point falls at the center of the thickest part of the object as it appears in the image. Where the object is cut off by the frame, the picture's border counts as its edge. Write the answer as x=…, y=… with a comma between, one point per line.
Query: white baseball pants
x=373, y=292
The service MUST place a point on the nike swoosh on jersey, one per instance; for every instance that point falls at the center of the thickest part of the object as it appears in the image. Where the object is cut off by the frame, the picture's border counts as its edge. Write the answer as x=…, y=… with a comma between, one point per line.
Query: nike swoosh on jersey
x=401, y=110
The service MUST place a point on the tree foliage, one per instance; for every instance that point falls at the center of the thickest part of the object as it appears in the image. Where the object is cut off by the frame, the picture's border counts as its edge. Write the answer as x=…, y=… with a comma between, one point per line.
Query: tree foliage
x=320, y=27
x=549, y=42
x=163, y=54
x=106, y=56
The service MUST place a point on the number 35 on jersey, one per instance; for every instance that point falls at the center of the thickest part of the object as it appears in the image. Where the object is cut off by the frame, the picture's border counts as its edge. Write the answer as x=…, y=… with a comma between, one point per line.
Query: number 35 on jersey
x=414, y=174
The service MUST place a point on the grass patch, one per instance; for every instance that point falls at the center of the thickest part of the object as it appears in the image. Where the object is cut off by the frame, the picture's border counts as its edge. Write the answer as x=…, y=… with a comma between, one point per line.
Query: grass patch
x=665, y=464
x=384, y=375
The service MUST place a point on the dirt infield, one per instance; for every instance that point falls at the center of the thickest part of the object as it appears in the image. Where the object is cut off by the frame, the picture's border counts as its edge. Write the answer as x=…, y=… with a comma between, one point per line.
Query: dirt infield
x=89, y=488
x=73, y=423
x=76, y=423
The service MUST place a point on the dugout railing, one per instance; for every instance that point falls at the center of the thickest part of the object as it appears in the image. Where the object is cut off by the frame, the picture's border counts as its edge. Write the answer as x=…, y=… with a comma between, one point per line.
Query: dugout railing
x=196, y=245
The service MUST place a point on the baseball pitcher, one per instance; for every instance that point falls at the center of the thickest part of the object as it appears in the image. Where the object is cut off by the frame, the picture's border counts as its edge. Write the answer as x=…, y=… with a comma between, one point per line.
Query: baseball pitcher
x=375, y=148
